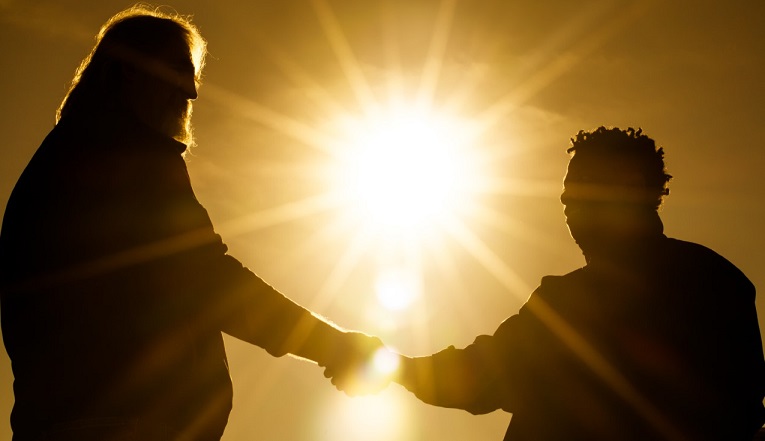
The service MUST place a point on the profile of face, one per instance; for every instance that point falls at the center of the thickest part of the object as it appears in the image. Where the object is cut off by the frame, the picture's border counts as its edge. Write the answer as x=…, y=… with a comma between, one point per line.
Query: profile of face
x=161, y=87
x=602, y=203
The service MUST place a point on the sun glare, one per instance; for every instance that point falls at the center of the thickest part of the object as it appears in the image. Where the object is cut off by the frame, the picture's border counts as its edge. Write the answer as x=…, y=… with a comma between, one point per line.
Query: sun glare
x=407, y=169
x=385, y=362
x=369, y=418
x=396, y=289
x=403, y=186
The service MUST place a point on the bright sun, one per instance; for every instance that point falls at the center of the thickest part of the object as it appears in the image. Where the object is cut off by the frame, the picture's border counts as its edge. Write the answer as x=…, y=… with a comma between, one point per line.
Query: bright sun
x=402, y=175
x=406, y=170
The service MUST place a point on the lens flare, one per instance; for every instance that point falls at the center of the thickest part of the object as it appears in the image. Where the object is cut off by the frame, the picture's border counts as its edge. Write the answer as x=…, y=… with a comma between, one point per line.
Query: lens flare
x=385, y=362
x=369, y=418
x=396, y=289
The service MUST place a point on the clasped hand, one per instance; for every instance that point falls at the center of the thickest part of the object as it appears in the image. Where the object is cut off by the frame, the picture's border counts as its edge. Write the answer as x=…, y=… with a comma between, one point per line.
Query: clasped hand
x=353, y=368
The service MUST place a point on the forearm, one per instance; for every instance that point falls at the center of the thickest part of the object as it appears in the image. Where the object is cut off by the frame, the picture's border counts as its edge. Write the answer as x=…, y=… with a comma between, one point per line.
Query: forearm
x=315, y=338
x=417, y=376
x=261, y=315
x=435, y=382
x=274, y=322
x=449, y=378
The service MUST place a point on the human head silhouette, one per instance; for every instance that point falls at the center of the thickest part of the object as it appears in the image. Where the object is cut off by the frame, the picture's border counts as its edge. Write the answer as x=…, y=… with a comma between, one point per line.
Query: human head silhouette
x=616, y=181
x=146, y=63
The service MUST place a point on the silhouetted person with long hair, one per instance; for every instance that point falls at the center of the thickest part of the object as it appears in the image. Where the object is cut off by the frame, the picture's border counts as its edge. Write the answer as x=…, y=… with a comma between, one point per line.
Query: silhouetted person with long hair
x=115, y=287
x=653, y=339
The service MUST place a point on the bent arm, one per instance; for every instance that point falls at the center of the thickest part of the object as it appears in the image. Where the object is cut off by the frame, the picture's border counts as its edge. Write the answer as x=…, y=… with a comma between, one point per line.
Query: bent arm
x=478, y=378
x=449, y=379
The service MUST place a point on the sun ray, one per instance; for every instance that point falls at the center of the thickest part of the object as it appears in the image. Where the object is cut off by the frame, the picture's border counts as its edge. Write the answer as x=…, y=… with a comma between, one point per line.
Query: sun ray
x=296, y=130
x=449, y=273
x=328, y=233
x=300, y=78
x=399, y=268
x=501, y=185
x=345, y=56
x=345, y=265
x=281, y=214
x=260, y=388
x=563, y=63
x=269, y=169
x=511, y=226
x=601, y=366
x=395, y=82
x=466, y=88
x=436, y=53
x=486, y=257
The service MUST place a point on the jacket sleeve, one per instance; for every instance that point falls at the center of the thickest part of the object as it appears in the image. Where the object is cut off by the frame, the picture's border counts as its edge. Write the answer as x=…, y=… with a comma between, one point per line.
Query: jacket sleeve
x=498, y=371
x=484, y=376
x=251, y=310
x=227, y=296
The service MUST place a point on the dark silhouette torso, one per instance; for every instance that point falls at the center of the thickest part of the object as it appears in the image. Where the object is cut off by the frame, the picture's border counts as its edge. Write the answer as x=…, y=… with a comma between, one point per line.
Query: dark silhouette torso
x=102, y=308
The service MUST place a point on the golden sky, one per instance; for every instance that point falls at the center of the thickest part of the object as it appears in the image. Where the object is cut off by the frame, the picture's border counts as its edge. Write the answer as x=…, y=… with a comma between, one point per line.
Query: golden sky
x=285, y=79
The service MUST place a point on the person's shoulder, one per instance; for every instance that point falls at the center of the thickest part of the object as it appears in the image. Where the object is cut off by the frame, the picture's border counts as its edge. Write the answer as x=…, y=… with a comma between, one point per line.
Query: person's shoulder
x=552, y=292
x=693, y=252
x=685, y=246
x=554, y=287
x=52, y=150
x=704, y=261
x=555, y=282
x=70, y=139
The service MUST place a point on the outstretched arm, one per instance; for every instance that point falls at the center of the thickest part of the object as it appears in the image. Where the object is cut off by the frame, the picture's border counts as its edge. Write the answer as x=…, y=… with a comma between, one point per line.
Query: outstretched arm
x=455, y=378
x=259, y=314
x=487, y=375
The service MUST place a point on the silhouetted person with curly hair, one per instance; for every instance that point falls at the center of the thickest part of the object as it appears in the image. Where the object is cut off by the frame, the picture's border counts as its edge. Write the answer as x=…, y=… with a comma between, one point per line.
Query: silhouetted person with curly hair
x=653, y=339
x=115, y=287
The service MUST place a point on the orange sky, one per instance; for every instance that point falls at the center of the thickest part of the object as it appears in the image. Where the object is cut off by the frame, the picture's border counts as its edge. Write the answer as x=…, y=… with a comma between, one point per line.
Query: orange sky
x=689, y=73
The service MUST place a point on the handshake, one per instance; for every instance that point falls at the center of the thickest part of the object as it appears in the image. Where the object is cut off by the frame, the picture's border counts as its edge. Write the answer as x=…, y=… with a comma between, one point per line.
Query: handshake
x=360, y=364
